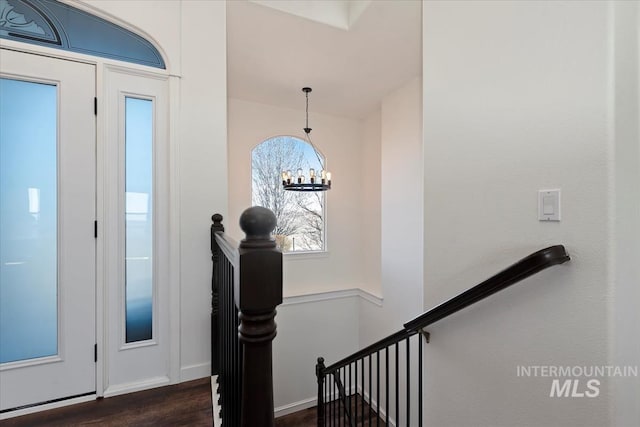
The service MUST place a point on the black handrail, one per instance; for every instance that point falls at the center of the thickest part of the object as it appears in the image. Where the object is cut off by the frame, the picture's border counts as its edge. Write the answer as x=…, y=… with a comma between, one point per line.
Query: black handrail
x=376, y=346
x=522, y=269
x=338, y=410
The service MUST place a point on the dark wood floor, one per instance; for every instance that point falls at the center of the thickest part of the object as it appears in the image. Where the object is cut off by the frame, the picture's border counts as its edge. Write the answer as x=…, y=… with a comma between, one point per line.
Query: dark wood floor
x=334, y=415
x=185, y=404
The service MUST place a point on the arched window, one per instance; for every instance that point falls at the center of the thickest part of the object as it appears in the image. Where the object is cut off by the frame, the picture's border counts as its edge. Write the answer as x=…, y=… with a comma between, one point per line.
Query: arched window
x=54, y=24
x=300, y=215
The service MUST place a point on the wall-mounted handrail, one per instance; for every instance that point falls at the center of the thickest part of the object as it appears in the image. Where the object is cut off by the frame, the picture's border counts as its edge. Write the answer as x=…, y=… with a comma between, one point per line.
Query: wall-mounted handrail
x=522, y=269
x=384, y=349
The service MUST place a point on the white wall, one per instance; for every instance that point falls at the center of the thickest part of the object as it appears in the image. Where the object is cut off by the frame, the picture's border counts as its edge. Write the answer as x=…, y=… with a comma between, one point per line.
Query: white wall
x=339, y=141
x=626, y=316
x=396, y=131
x=516, y=99
x=192, y=35
x=203, y=171
x=307, y=330
x=370, y=199
x=394, y=153
x=402, y=206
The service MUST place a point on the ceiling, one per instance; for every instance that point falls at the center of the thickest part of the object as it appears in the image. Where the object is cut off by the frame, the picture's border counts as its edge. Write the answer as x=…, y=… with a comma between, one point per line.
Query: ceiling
x=272, y=54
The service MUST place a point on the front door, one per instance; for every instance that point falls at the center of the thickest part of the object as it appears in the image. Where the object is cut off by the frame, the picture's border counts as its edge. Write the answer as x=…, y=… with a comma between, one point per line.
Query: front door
x=47, y=245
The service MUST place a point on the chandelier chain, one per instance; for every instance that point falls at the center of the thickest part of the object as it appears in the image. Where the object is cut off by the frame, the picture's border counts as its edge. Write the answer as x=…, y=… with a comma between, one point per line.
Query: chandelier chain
x=307, y=130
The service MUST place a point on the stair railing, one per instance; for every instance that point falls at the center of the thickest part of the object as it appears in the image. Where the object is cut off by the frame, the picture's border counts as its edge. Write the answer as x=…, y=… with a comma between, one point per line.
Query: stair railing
x=364, y=388
x=246, y=288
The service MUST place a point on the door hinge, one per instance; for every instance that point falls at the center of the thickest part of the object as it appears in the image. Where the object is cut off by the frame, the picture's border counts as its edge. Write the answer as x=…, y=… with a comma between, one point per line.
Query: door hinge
x=95, y=352
x=95, y=229
x=95, y=106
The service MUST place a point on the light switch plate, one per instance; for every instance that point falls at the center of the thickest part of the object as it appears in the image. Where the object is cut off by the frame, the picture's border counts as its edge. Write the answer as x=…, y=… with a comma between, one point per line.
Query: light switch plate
x=549, y=205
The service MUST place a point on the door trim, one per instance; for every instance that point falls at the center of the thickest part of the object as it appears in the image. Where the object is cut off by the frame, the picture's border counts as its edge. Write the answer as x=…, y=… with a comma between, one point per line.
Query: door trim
x=75, y=199
x=177, y=373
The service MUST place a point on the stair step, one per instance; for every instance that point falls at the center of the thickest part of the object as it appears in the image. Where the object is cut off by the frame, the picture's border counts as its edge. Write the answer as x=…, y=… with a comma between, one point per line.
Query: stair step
x=215, y=398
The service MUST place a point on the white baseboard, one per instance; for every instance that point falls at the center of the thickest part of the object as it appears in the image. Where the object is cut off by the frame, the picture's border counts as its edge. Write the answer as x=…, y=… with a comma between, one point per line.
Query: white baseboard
x=194, y=372
x=47, y=406
x=382, y=413
x=290, y=408
x=132, y=387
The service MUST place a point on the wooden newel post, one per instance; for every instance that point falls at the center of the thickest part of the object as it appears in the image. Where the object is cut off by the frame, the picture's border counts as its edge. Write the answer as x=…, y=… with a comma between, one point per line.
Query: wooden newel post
x=258, y=291
x=216, y=226
x=320, y=376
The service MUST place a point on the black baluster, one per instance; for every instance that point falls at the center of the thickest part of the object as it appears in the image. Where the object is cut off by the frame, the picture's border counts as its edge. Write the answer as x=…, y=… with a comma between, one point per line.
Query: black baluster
x=326, y=401
x=386, y=384
x=362, y=390
x=344, y=398
x=321, y=380
x=333, y=401
x=419, y=379
x=355, y=397
x=378, y=386
x=397, y=386
x=370, y=395
x=349, y=396
x=408, y=382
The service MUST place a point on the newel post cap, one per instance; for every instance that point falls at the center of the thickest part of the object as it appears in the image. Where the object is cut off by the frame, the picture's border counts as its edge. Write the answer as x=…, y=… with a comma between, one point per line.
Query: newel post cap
x=258, y=223
x=216, y=218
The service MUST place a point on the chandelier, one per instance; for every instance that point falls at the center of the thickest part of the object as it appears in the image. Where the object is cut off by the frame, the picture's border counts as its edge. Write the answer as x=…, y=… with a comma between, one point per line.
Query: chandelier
x=317, y=181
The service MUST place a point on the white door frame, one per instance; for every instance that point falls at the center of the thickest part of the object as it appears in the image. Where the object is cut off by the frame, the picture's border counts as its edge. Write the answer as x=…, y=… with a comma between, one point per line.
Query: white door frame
x=172, y=222
x=134, y=366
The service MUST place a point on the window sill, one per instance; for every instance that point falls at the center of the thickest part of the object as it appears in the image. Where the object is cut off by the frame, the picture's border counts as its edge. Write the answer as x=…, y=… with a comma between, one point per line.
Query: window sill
x=300, y=256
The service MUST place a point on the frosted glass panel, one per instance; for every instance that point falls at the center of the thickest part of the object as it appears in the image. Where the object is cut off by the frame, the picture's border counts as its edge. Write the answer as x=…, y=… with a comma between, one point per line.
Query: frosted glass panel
x=28, y=220
x=139, y=218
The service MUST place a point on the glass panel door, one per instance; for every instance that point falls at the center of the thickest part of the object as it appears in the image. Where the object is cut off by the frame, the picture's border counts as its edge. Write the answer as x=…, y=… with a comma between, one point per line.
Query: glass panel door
x=28, y=220
x=47, y=244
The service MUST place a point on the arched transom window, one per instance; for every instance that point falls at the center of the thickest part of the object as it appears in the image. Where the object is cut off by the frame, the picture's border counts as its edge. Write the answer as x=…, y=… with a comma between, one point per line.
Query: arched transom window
x=58, y=25
x=300, y=215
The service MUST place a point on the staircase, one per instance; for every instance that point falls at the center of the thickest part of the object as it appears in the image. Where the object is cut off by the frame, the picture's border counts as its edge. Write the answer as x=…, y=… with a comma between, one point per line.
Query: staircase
x=378, y=385
x=387, y=375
